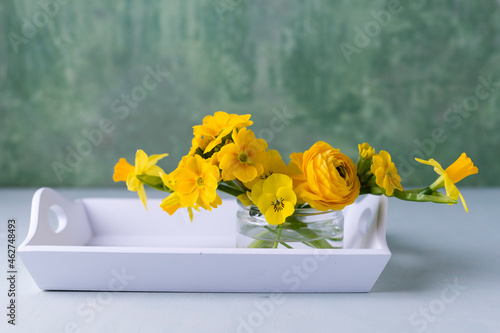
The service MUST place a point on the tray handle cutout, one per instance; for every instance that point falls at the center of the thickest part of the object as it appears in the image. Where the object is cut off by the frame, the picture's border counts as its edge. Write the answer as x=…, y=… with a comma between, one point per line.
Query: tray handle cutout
x=56, y=221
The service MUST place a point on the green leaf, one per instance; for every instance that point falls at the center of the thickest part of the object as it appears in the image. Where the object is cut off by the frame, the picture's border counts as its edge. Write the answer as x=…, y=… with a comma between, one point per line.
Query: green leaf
x=229, y=189
x=154, y=182
x=411, y=195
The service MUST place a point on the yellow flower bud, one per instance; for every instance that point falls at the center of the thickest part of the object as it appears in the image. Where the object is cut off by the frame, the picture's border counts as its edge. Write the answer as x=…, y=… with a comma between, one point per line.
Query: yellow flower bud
x=366, y=151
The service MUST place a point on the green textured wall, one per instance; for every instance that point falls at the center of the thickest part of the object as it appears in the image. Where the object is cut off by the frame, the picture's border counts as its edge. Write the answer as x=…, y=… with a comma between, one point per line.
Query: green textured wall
x=305, y=70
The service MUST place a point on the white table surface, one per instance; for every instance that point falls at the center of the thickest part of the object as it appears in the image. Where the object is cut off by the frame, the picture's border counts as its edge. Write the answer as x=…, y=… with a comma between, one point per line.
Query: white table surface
x=433, y=247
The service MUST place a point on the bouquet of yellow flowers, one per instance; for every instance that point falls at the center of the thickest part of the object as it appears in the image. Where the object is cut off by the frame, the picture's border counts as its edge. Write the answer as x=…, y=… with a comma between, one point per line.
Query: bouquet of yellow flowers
x=226, y=156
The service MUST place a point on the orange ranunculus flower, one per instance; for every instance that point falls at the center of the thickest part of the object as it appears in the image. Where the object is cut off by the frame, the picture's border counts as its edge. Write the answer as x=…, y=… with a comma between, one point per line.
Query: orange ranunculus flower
x=327, y=178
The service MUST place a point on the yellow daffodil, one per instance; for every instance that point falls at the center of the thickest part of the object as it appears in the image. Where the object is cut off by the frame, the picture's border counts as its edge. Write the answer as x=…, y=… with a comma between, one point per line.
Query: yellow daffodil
x=386, y=174
x=275, y=164
x=275, y=198
x=194, y=184
x=215, y=128
x=460, y=169
x=324, y=177
x=244, y=159
x=144, y=166
x=366, y=151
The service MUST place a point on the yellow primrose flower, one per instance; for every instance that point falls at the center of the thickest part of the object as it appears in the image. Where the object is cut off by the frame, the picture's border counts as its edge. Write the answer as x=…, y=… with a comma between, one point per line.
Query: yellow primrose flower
x=144, y=165
x=216, y=127
x=171, y=203
x=275, y=198
x=194, y=184
x=324, y=177
x=386, y=173
x=243, y=159
x=275, y=164
x=366, y=151
x=460, y=169
x=199, y=144
x=245, y=198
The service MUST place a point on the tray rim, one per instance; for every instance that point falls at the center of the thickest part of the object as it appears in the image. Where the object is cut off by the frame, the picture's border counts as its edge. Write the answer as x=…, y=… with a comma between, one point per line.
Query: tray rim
x=383, y=248
x=62, y=266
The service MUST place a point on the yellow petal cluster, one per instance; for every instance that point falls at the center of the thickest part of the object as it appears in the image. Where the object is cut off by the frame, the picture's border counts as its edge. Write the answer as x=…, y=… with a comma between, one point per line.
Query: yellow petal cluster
x=226, y=156
x=386, y=174
x=215, y=128
x=244, y=159
x=194, y=183
x=325, y=178
x=275, y=198
x=144, y=165
x=274, y=165
x=366, y=151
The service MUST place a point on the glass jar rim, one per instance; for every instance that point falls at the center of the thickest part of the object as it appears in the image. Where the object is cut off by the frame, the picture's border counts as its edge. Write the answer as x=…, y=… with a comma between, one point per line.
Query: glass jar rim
x=298, y=211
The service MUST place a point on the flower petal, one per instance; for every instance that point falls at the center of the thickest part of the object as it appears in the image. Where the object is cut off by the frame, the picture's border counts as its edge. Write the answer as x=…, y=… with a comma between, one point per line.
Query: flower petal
x=122, y=170
x=275, y=181
x=245, y=199
x=287, y=194
x=142, y=194
x=257, y=191
x=461, y=168
x=153, y=159
x=141, y=161
x=266, y=200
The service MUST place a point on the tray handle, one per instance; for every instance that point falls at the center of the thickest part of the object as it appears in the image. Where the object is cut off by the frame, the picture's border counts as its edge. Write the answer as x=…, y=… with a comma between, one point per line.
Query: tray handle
x=73, y=227
x=365, y=223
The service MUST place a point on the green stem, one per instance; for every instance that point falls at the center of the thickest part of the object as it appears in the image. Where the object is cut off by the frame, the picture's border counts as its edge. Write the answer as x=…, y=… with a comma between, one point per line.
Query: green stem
x=300, y=228
x=258, y=243
x=411, y=195
x=223, y=187
x=280, y=229
x=286, y=245
x=303, y=229
x=438, y=183
x=426, y=190
x=232, y=184
x=240, y=185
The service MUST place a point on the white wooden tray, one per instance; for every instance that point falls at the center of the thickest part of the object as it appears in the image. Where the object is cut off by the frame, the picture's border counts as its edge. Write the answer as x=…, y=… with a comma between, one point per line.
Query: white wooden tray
x=115, y=244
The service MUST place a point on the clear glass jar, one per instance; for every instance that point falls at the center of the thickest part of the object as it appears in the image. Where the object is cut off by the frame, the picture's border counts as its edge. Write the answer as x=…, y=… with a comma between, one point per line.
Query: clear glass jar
x=306, y=228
